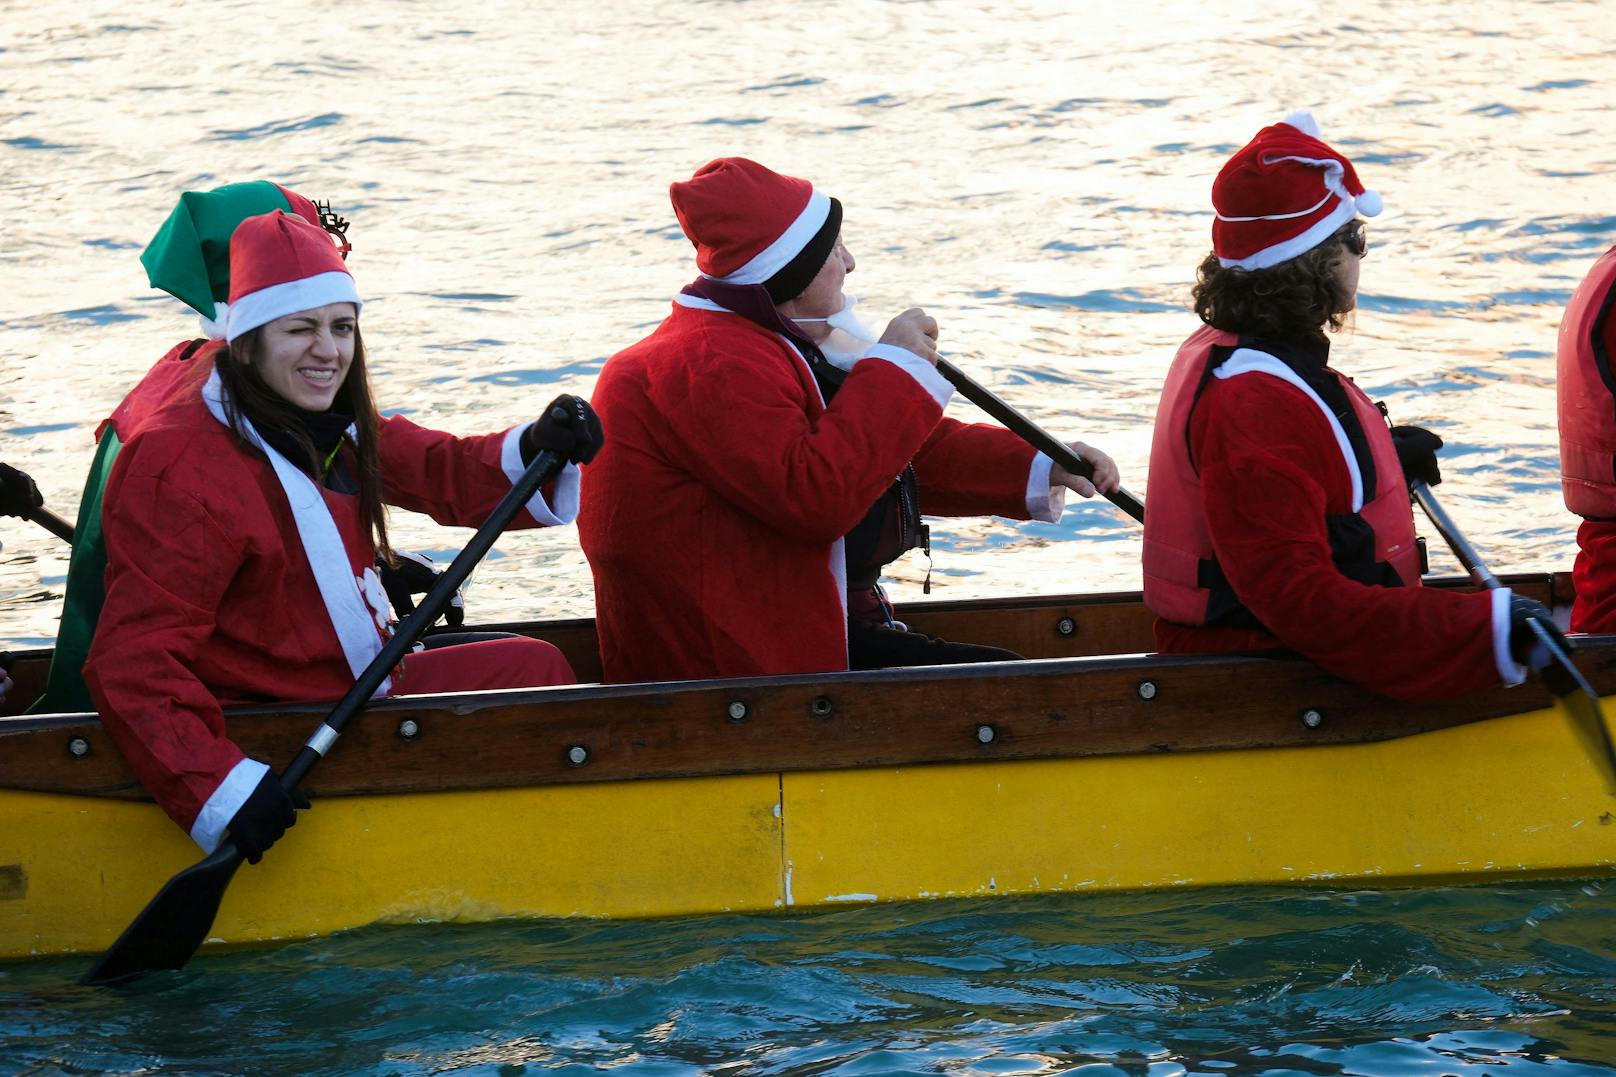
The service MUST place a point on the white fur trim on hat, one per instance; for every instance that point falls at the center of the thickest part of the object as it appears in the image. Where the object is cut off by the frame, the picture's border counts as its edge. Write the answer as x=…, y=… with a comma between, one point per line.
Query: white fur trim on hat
x=278, y=300
x=1296, y=245
x=773, y=258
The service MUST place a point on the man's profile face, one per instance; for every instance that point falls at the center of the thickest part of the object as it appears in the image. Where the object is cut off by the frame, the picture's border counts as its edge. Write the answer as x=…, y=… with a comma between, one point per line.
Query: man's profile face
x=823, y=296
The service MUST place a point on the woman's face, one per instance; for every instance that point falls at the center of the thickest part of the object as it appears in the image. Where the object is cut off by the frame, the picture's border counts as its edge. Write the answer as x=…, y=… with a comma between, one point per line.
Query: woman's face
x=304, y=357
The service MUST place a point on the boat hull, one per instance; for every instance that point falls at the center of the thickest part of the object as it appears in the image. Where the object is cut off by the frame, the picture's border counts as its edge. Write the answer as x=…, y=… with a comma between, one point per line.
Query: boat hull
x=1061, y=773
x=1510, y=797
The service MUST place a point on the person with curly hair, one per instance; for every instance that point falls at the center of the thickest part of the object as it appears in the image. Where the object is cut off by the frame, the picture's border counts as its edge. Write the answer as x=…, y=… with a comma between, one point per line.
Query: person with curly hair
x=1280, y=517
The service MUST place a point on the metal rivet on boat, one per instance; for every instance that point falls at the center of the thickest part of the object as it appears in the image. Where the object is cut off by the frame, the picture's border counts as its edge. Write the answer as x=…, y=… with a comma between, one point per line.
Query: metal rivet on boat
x=820, y=707
x=1147, y=690
x=409, y=729
x=737, y=711
x=1066, y=627
x=986, y=734
x=78, y=747
x=577, y=755
x=1312, y=718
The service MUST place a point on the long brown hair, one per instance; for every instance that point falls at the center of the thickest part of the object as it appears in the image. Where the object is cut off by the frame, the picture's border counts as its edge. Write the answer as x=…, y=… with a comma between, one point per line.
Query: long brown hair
x=248, y=397
x=1294, y=300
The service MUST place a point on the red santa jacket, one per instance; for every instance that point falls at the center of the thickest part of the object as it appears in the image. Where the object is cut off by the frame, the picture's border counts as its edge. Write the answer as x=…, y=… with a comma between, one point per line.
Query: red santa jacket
x=211, y=599
x=1273, y=469
x=713, y=517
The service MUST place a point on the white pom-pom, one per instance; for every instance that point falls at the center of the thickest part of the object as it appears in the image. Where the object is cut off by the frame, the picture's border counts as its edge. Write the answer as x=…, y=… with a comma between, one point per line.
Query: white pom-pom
x=1369, y=203
x=214, y=326
x=1303, y=121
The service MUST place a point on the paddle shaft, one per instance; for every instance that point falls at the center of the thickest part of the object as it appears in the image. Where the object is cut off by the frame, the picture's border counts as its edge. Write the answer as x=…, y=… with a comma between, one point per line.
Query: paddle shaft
x=1034, y=435
x=1467, y=555
x=178, y=918
x=1561, y=675
x=544, y=467
x=51, y=522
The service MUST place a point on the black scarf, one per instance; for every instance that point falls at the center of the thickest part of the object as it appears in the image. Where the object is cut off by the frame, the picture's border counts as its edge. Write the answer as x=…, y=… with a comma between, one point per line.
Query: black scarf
x=325, y=431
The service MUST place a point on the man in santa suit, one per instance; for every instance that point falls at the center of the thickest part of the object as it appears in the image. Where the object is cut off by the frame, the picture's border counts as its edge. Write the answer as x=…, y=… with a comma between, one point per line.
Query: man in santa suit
x=1279, y=509
x=717, y=518
x=1586, y=378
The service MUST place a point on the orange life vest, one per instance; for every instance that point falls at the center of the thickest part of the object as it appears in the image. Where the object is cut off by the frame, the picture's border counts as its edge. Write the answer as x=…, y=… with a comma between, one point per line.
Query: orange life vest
x=1373, y=544
x=1587, y=394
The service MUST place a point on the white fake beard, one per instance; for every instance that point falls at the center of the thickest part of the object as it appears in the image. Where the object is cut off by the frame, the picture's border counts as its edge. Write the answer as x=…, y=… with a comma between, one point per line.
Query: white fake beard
x=849, y=339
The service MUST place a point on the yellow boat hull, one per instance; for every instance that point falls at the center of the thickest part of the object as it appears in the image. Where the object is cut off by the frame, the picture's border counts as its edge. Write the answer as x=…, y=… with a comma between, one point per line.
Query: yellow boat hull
x=1510, y=797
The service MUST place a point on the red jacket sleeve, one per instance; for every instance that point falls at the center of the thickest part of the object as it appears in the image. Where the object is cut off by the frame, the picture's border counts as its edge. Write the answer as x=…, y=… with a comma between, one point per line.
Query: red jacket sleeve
x=1270, y=472
x=455, y=480
x=739, y=415
x=169, y=563
x=973, y=470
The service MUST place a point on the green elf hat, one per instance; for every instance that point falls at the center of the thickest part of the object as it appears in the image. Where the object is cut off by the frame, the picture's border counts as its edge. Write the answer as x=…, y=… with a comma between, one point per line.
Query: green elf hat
x=189, y=258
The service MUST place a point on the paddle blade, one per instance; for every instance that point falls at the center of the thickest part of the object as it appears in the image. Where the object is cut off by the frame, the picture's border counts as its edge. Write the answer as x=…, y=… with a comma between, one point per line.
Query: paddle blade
x=1581, y=706
x=172, y=925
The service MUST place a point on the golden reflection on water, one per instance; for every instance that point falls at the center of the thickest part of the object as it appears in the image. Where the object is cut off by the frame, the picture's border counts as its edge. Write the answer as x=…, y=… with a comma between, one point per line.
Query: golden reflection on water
x=1033, y=173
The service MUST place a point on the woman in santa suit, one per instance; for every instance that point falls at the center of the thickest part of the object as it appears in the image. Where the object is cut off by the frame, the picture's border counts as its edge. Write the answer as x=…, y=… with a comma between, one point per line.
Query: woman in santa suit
x=1279, y=507
x=1586, y=388
x=243, y=523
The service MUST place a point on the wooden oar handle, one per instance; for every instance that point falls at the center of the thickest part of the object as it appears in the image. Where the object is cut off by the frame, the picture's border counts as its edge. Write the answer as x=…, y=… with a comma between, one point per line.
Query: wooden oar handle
x=1034, y=435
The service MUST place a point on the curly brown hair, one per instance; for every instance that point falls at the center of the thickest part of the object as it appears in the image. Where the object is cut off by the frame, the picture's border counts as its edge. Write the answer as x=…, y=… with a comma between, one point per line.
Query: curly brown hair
x=1294, y=300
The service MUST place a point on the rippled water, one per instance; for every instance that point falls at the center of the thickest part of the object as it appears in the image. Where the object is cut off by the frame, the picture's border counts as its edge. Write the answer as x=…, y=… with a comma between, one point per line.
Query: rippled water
x=1035, y=174
x=1464, y=982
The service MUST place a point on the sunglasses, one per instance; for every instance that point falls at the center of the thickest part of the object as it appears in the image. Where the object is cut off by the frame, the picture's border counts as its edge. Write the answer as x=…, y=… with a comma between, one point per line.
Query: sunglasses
x=336, y=226
x=1355, y=237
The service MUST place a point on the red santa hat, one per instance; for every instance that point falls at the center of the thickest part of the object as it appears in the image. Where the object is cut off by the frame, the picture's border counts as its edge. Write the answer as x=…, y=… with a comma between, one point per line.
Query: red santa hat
x=280, y=265
x=750, y=225
x=1284, y=194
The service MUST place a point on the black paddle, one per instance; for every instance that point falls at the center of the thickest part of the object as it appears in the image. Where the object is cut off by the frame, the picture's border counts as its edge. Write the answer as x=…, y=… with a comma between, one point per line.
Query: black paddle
x=1034, y=435
x=51, y=522
x=174, y=923
x=1562, y=677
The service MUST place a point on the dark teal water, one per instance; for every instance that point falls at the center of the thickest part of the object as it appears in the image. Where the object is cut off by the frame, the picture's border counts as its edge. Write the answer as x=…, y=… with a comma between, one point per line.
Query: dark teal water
x=1504, y=981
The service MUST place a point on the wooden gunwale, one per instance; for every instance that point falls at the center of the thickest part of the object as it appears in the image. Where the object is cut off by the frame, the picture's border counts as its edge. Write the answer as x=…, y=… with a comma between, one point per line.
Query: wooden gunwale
x=1046, y=708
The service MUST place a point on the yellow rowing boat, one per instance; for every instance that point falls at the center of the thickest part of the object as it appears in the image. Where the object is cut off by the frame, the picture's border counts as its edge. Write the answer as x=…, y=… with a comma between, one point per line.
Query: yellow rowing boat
x=1091, y=766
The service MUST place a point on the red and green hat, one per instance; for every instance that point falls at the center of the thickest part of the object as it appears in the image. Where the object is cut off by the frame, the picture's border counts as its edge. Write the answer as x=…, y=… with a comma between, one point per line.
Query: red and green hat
x=189, y=258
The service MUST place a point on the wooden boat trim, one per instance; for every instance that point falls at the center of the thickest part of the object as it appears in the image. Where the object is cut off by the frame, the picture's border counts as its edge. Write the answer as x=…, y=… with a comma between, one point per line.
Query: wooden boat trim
x=1039, y=709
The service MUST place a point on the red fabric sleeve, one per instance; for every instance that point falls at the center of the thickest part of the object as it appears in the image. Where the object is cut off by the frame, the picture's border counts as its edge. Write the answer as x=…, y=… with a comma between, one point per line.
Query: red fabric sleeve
x=738, y=416
x=1270, y=472
x=455, y=480
x=169, y=563
x=973, y=469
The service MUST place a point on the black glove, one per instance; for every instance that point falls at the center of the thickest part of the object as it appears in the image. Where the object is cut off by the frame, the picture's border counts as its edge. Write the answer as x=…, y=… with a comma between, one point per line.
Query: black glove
x=1524, y=644
x=264, y=817
x=570, y=427
x=18, y=494
x=415, y=574
x=1416, y=451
